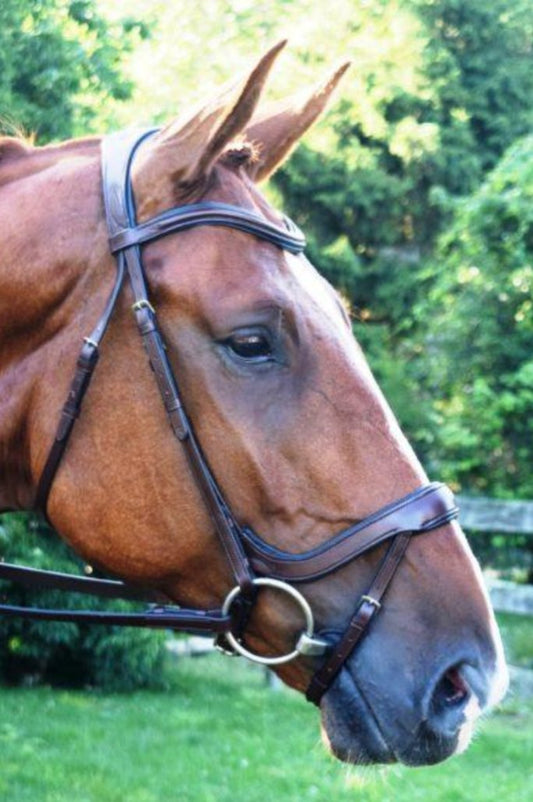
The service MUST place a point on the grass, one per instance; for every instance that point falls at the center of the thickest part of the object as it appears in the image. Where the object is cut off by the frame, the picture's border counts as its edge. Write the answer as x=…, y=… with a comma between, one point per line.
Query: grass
x=517, y=635
x=222, y=735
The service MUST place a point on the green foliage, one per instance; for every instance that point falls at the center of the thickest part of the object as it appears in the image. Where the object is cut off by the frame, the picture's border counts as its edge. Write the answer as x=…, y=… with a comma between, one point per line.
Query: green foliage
x=479, y=56
x=458, y=92
x=479, y=333
x=59, y=60
x=67, y=653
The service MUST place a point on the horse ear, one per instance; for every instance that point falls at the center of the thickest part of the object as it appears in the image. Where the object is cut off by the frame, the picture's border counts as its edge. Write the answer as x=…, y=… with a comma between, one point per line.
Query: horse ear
x=183, y=152
x=279, y=127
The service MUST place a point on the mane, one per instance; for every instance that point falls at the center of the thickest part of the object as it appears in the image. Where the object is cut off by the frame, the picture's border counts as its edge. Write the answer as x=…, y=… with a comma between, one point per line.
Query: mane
x=12, y=147
x=19, y=157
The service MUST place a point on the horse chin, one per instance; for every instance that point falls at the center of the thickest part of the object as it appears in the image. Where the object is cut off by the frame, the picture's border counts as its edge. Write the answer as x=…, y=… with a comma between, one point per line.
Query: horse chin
x=350, y=729
x=353, y=731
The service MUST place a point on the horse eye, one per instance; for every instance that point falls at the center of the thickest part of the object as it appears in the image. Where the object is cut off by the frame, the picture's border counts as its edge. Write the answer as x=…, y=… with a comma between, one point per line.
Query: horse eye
x=253, y=346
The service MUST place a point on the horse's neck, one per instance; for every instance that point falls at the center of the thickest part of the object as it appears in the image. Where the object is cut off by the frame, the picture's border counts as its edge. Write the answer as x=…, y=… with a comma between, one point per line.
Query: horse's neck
x=51, y=228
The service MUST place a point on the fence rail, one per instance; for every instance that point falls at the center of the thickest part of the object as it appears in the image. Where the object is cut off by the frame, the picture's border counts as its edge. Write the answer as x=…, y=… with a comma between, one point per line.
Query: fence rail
x=493, y=515
x=509, y=597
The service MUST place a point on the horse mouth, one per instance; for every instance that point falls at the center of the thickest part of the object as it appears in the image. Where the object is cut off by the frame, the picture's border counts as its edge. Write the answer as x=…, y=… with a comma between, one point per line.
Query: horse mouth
x=350, y=728
x=355, y=732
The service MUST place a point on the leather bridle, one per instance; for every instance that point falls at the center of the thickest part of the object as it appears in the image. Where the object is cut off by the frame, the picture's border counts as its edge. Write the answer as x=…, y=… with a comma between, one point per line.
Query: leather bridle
x=254, y=563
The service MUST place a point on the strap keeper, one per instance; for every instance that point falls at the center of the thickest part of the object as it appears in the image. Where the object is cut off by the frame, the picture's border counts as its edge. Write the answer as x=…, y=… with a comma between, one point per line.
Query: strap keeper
x=143, y=303
x=85, y=364
x=372, y=601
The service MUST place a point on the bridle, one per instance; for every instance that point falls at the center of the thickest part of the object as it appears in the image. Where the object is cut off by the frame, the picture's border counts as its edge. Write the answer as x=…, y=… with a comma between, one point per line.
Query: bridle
x=253, y=562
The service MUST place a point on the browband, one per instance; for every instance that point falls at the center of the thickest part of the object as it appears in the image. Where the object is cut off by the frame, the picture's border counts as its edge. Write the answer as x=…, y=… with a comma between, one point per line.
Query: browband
x=210, y=213
x=125, y=231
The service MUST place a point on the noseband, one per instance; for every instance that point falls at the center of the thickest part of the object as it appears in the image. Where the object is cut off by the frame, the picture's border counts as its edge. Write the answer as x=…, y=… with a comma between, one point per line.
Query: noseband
x=253, y=562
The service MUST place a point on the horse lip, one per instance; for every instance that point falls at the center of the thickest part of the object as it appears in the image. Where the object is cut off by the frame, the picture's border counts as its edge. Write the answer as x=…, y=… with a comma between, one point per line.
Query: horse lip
x=363, y=743
x=354, y=731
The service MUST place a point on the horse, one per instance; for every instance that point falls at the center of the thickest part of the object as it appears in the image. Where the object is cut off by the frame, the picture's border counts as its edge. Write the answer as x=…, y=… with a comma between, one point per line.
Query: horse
x=274, y=460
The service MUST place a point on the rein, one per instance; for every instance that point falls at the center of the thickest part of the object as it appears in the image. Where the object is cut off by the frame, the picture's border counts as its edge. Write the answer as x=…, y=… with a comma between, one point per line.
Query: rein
x=253, y=562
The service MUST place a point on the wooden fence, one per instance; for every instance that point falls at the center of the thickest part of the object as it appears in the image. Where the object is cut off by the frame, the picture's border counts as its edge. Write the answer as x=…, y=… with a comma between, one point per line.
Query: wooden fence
x=492, y=515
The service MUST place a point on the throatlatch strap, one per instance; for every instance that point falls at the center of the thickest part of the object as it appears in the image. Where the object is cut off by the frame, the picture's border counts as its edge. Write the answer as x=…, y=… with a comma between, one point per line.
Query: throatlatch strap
x=85, y=366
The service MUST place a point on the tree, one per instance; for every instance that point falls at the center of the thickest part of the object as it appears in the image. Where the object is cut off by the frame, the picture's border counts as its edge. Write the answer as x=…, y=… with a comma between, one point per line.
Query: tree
x=59, y=59
x=438, y=112
x=478, y=357
x=479, y=56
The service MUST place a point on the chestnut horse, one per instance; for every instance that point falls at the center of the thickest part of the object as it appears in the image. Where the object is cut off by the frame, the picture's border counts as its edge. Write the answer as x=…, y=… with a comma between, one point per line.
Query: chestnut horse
x=299, y=438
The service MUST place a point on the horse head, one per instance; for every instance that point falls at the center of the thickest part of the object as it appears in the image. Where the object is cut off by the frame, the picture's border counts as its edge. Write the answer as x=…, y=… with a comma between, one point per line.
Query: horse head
x=288, y=417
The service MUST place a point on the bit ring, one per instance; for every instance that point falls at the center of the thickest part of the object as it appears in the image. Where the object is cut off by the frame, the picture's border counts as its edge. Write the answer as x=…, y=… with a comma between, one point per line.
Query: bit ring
x=307, y=644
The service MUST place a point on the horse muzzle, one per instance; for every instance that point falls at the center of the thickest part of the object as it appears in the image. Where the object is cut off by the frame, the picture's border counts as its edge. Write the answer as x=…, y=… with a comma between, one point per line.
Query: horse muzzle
x=378, y=714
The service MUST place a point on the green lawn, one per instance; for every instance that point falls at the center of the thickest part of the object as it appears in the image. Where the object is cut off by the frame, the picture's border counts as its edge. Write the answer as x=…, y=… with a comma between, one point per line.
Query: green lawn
x=517, y=634
x=220, y=734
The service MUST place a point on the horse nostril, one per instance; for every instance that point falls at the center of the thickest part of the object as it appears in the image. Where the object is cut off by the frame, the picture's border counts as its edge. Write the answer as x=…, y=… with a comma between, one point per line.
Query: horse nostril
x=452, y=688
x=449, y=700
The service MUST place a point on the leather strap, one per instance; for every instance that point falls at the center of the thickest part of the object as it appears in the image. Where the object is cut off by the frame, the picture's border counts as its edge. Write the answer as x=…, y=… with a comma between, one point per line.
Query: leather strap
x=158, y=616
x=369, y=605
x=213, y=214
x=192, y=621
x=427, y=508
x=85, y=366
x=121, y=210
x=54, y=580
x=225, y=524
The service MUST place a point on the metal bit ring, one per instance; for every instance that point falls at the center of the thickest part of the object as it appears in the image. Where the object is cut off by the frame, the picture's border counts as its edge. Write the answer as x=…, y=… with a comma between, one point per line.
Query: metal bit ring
x=307, y=644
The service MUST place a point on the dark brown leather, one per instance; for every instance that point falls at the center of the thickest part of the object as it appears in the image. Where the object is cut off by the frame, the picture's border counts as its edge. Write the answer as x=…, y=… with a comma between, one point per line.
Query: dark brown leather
x=54, y=580
x=369, y=606
x=200, y=621
x=85, y=365
x=213, y=214
x=159, y=616
x=425, y=509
